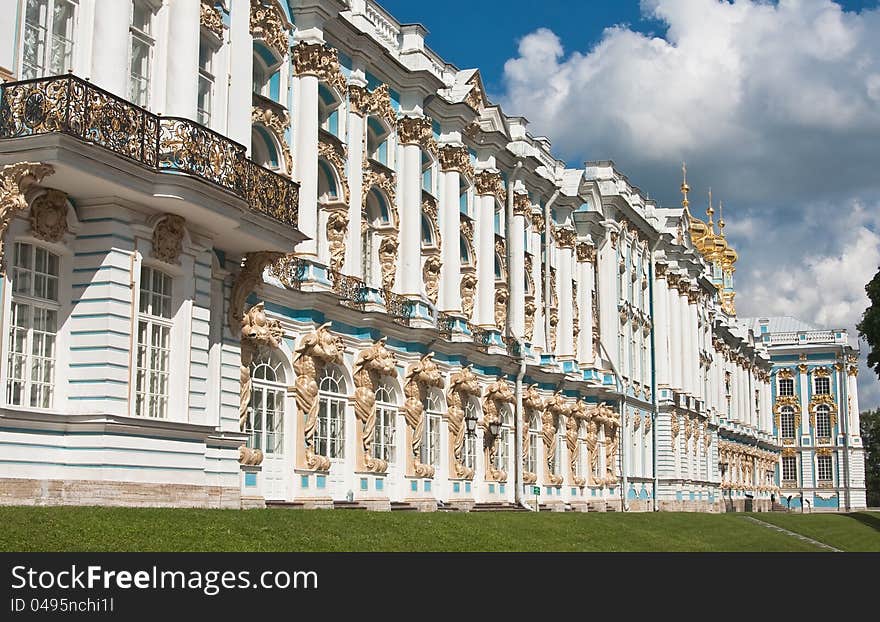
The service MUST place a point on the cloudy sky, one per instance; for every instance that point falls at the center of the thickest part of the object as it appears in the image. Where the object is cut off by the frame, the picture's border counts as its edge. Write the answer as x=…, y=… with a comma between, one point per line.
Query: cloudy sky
x=774, y=105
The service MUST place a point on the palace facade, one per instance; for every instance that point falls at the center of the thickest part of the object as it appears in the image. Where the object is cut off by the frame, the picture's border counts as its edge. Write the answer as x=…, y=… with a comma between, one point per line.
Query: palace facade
x=280, y=252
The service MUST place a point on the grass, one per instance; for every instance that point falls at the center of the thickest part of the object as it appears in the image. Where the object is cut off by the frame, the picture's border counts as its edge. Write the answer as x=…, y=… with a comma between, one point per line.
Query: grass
x=160, y=529
x=858, y=531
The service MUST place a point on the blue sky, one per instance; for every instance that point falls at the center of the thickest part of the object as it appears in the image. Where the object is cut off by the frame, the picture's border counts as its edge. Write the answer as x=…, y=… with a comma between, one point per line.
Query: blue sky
x=774, y=105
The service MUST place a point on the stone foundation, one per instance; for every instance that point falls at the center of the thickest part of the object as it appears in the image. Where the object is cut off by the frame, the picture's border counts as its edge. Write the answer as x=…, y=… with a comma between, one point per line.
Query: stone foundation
x=424, y=505
x=15, y=491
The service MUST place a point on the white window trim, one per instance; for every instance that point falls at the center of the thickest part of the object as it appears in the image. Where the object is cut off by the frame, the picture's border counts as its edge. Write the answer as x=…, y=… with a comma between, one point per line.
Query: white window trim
x=74, y=36
x=150, y=38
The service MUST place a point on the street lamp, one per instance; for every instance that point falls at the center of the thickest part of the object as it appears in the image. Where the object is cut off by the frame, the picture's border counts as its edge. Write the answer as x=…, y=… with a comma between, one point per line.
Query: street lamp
x=470, y=421
x=722, y=466
x=495, y=427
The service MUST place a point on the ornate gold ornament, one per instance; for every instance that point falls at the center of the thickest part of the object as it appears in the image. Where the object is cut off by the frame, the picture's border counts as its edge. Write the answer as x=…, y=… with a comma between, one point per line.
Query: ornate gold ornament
x=787, y=400
x=168, y=239
x=468, y=288
x=417, y=131
x=565, y=237
x=577, y=414
x=575, y=311
x=337, y=232
x=371, y=365
x=384, y=180
x=554, y=408
x=530, y=310
x=210, y=18
x=420, y=378
x=522, y=205
x=431, y=275
x=822, y=400
x=376, y=103
x=488, y=183
x=585, y=252
x=554, y=322
x=316, y=350
x=674, y=425
x=538, y=221
x=251, y=273
x=497, y=394
x=317, y=59
x=49, y=216
x=501, y=296
x=429, y=210
x=334, y=153
x=455, y=158
x=270, y=25
x=388, y=260
x=16, y=180
x=256, y=331
x=533, y=406
x=462, y=386
x=475, y=97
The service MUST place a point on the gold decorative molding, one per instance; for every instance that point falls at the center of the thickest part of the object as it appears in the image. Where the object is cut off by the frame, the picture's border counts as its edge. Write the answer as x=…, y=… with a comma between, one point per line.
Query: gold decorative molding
x=497, y=394
x=388, y=260
x=572, y=444
x=467, y=289
x=455, y=158
x=565, y=237
x=316, y=350
x=462, y=386
x=256, y=331
x=168, y=238
x=334, y=153
x=277, y=124
x=585, y=252
x=488, y=183
x=530, y=309
x=371, y=365
x=420, y=378
x=475, y=97
x=554, y=408
x=522, y=204
x=533, y=406
x=417, y=131
x=250, y=274
x=270, y=25
x=317, y=59
x=376, y=103
x=49, y=216
x=16, y=180
x=538, y=222
x=337, y=234
x=210, y=18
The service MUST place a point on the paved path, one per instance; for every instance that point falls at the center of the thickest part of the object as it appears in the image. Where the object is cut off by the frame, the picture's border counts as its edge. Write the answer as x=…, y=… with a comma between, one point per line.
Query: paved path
x=821, y=545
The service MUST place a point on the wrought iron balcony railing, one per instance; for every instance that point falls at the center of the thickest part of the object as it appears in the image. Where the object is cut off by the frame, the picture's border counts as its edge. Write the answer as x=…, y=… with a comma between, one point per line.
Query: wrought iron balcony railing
x=73, y=106
x=398, y=307
x=351, y=290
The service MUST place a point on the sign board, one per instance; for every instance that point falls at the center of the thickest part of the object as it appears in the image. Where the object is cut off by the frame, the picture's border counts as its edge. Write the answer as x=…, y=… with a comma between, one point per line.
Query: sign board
x=536, y=490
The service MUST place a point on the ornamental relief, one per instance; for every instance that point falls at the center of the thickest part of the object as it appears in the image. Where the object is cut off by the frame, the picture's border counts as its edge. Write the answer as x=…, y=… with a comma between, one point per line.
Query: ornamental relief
x=250, y=274
x=522, y=205
x=467, y=289
x=317, y=59
x=488, y=183
x=787, y=400
x=382, y=179
x=270, y=25
x=417, y=131
x=497, y=395
x=565, y=237
x=168, y=239
x=211, y=19
x=431, y=276
x=277, y=124
x=371, y=365
x=257, y=331
x=463, y=386
x=316, y=350
x=388, y=260
x=538, y=222
x=376, y=103
x=577, y=414
x=48, y=216
x=429, y=210
x=585, y=252
x=421, y=377
x=822, y=400
x=16, y=180
x=530, y=309
x=533, y=406
x=575, y=310
x=475, y=97
x=456, y=158
x=554, y=408
x=501, y=296
x=337, y=232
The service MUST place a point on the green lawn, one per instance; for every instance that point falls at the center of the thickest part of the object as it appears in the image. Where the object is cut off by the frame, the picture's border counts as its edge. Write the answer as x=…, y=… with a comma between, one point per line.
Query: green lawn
x=859, y=531
x=130, y=529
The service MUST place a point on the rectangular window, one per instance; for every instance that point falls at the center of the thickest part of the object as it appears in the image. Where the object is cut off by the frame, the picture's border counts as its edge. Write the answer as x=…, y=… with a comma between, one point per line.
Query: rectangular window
x=140, y=52
x=786, y=424
x=330, y=433
x=789, y=468
x=383, y=440
x=154, y=344
x=470, y=452
x=206, y=82
x=786, y=387
x=33, y=327
x=431, y=440
x=532, y=458
x=501, y=456
x=823, y=464
x=823, y=385
x=823, y=424
x=47, y=41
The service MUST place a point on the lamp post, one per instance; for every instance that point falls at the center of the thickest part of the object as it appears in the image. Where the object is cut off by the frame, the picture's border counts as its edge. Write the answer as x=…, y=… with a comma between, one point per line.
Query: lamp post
x=470, y=421
x=722, y=466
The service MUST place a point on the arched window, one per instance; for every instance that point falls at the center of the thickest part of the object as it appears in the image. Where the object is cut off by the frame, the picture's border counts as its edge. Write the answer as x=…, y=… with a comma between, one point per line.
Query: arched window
x=265, y=427
x=823, y=421
x=464, y=251
x=470, y=441
x=431, y=432
x=376, y=219
x=560, y=442
x=33, y=326
x=499, y=271
x=427, y=173
x=327, y=187
x=427, y=232
x=377, y=141
x=263, y=149
x=330, y=433
x=328, y=110
x=386, y=413
x=786, y=422
x=505, y=433
x=265, y=73
x=532, y=453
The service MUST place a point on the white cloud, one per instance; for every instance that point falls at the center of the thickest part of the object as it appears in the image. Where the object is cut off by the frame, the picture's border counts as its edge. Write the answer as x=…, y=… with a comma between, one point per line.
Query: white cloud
x=774, y=105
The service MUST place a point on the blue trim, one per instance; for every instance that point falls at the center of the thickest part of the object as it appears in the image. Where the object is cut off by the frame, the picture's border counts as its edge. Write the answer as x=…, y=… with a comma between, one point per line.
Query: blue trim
x=108, y=465
x=250, y=480
x=97, y=397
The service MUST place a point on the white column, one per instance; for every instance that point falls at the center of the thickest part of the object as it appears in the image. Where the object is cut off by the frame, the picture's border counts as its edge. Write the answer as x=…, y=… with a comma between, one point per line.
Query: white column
x=183, y=60
x=565, y=329
x=585, y=303
x=516, y=244
x=851, y=409
x=305, y=158
x=449, y=297
x=661, y=326
x=409, y=258
x=539, y=340
x=241, y=68
x=110, y=46
x=675, y=340
x=688, y=332
x=608, y=319
x=484, y=304
x=353, y=251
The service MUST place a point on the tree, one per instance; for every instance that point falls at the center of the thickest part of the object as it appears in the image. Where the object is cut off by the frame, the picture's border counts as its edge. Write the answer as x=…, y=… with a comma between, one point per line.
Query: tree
x=870, y=430
x=869, y=327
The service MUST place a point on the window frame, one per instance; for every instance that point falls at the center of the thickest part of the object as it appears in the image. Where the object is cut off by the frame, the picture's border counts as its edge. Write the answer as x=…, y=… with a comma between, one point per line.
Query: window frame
x=431, y=432
x=786, y=392
x=207, y=74
x=152, y=321
x=823, y=419
x=385, y=430
x=784, y=413
x=823, y=462
x=279, y=389
x=333, y=446
x=50, y=35
x=148, y=39
x=826, y=382
x=794, y=469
